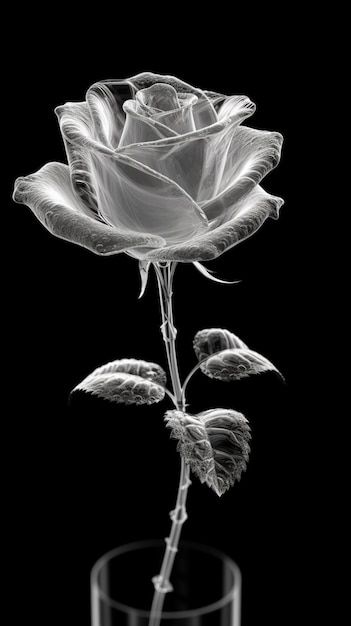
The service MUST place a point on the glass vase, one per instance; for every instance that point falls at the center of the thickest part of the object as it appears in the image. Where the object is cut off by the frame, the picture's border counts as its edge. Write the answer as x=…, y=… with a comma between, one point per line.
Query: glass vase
x=206, y=587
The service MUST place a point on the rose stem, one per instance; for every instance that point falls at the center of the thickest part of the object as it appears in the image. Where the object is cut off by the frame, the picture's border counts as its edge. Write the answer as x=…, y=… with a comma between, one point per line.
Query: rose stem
x=178, y=516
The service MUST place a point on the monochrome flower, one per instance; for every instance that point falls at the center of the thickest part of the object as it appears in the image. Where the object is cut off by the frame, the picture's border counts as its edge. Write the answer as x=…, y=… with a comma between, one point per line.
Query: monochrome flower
x=157, y=169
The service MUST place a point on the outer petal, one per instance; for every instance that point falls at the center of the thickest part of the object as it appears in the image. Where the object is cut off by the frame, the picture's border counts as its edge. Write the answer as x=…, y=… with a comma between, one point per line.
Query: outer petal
x=250, y=156
x=249, y=215
x=77, y=114
x=133, y=196
x=49, y=194
x=195, y=160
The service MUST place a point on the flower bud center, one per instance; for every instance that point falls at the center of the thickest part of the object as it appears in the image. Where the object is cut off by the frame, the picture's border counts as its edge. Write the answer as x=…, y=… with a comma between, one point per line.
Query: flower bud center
x=159, y=96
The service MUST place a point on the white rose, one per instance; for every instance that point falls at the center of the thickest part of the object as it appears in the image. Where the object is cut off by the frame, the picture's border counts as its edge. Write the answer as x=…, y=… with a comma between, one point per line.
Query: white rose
x=157, y=169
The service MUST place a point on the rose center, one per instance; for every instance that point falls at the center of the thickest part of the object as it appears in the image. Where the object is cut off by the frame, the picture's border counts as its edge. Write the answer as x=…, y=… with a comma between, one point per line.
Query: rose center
x=159, y=97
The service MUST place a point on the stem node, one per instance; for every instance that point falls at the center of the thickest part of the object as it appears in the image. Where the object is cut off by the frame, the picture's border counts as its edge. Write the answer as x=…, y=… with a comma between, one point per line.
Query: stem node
x=162, y=586
x=179, y=515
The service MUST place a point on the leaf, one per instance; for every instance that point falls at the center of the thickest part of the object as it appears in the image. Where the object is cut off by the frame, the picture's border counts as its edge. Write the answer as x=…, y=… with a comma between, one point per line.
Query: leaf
x=122, y=388
x=145, y=369
x=224, y=356
x=233, y=364
x=144, y=267
x=211, y=340
x=208, y=274
x=128, y=381
x=215, y=443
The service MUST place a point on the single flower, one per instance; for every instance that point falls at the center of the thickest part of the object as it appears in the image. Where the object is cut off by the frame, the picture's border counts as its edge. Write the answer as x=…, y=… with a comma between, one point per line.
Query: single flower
x=157, y=169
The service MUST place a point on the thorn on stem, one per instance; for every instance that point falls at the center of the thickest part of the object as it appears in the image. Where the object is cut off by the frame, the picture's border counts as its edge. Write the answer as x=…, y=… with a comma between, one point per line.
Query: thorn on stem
x=170, y=547
x=178, y=515
x=162, y=586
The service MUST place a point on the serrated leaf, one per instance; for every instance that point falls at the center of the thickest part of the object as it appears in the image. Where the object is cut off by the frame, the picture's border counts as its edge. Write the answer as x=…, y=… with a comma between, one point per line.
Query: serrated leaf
x=211, y=340
x=234, y=364
x=130, y=381
x=215, y=443
x=122, y=388
x=145, y=369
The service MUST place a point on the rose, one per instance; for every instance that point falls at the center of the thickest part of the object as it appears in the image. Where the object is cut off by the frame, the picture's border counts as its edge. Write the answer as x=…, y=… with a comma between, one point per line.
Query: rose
x=157, y=169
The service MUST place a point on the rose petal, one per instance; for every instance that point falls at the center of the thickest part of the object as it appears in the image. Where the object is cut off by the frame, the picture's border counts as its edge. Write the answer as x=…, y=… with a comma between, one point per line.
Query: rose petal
x=139, y=128
x=179, y=118
x=159, y=96
x=50, y=196
x=133, y=196
x=216, y=99
x=233, y=105
x=78, y=158
x=250, y=156
x=194, y=160
x=130, y=195
x=248, y=216
x=204, y=113
x=106, y=99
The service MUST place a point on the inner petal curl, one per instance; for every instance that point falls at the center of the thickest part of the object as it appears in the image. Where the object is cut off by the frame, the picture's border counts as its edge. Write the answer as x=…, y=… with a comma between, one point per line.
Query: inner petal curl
x=160, y=97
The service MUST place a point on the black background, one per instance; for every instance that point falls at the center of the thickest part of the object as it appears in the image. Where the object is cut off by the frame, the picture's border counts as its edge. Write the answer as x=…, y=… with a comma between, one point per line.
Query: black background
x=85, y=477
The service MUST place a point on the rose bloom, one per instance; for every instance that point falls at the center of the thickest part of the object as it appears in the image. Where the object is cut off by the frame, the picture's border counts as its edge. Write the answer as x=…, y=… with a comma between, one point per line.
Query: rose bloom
x=157, y=169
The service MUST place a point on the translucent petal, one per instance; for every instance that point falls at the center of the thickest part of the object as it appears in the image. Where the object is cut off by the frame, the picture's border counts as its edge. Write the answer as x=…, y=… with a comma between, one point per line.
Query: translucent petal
x=50, y=196
x=140, y=128
x=106, y=99
x=130, y=195
x=216, y=99
x=249, y=215
x=164, y=105
x=251, y=154
x=194, y=160
x=77, y=113
x=133, y=196
x=159, y=96
x=204, y=112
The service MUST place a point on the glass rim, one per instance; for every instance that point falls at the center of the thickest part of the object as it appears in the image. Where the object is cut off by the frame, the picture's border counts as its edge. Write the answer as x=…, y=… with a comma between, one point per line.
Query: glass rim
x=148, y=543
